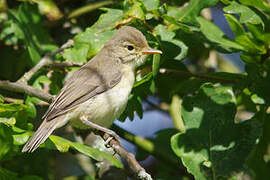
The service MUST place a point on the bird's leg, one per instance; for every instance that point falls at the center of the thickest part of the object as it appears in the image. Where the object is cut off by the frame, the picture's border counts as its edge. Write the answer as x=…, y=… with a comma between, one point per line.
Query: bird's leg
x=100, y=128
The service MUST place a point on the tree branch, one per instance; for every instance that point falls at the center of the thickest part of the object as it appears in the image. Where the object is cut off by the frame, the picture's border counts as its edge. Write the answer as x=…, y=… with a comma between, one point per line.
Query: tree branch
x=24, y=88
x=129, y=158
x=45, y=61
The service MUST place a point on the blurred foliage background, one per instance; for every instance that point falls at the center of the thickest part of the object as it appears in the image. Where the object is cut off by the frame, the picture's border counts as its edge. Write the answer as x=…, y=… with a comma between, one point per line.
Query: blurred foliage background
x=220, y=112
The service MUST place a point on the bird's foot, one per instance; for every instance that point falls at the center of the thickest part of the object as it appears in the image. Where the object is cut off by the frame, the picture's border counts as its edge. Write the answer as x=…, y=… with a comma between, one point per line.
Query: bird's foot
x=109, y=132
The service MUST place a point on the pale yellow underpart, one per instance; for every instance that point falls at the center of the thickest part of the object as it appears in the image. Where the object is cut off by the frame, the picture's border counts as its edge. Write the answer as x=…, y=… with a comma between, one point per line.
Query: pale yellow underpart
x=104, y=108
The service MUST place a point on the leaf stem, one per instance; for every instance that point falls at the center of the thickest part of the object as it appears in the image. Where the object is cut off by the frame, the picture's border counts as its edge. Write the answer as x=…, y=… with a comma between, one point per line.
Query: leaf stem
x=175, y=112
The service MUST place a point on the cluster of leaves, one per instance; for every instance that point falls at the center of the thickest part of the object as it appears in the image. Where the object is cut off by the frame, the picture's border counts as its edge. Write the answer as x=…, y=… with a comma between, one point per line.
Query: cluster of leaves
x=213, y=145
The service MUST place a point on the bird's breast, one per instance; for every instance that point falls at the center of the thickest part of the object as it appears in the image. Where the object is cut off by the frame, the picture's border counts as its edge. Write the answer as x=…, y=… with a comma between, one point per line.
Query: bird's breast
x=104, y=108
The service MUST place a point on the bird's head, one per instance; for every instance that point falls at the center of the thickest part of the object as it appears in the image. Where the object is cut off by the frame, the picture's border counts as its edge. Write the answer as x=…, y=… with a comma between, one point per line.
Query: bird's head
x=129, y=45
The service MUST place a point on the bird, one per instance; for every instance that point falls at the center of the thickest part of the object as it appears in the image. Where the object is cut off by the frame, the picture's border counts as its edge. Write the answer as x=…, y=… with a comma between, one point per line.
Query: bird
x=97, y=93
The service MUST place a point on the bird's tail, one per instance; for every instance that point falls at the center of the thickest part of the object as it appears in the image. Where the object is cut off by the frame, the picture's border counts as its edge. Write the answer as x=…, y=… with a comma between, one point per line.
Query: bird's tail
x=43, y=132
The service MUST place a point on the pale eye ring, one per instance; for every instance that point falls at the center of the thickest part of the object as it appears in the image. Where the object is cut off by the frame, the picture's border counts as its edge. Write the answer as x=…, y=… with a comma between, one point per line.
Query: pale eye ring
x=130, y=47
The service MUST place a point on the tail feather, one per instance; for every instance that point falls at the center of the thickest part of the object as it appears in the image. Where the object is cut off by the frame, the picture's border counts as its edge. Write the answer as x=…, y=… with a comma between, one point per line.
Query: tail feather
x=43, y=132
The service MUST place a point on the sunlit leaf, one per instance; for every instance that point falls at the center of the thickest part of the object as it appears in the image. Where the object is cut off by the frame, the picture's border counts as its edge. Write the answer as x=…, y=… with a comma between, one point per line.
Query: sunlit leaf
x=217, y=37
x=63, y=145
x=191, y=11
x=151, y=4
x=87, y=44
x=260, y=4
x=108, y=20
x=156, y=61
x=242, y=37
x=172, y=48
x=204, y=149
x=247, y=15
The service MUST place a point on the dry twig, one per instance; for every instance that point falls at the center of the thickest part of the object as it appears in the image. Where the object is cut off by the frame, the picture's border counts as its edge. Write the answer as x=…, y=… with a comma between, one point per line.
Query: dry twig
x=129, y=158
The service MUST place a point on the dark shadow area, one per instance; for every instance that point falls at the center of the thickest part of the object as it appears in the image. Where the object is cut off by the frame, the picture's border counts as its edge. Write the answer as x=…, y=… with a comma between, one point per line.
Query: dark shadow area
x=212, y=133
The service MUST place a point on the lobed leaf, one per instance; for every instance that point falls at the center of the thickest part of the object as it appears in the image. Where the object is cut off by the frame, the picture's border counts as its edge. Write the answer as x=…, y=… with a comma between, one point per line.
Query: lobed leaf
x=204, y=149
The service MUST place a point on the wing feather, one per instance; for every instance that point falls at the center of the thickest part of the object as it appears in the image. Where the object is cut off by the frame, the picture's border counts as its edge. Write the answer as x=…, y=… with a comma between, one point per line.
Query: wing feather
x=85, y=83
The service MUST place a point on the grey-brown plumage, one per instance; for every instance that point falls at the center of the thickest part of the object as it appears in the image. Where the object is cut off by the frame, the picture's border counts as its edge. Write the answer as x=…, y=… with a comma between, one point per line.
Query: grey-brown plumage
x=98, y=90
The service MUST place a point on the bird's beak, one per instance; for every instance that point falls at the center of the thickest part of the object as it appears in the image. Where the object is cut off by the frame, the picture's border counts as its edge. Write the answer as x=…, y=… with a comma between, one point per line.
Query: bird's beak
x=151, y=51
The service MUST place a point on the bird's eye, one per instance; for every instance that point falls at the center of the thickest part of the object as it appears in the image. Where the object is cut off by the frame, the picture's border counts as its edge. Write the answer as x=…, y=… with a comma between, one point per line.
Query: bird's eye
x=130, y=48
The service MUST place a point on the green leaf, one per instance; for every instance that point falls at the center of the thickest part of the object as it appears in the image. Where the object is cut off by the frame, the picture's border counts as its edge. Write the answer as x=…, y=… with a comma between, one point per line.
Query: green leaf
x=204, y=149
x=108, y=20
x=258, y=33
x=134, y=105
x=50, y=9
x=21, y=136
x=1, y=99
x=140, y=90
x=87, y=44
x=26, y=25
x=136, y=11
x=256, y=99
x=8, y=121
x=184, y=27
x=7, y=110
x=191, y=11
x=156, y=61
x=246, y=14
x=242, y=38
x=10, y=175
x=217, y=37
x=77, y=54
x=258, y=84
x=145, y=79
x=172, y=48
x=164, y=33
x=151, y=4
x=11, y=32
x=95, y=154
x=259, y=159
x=260, y=4
x=235, y=25
x=7, y=175
x=63, y=145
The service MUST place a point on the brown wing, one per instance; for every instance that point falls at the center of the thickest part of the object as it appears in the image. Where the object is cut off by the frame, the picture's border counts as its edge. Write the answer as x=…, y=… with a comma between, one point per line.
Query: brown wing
x=93, y=78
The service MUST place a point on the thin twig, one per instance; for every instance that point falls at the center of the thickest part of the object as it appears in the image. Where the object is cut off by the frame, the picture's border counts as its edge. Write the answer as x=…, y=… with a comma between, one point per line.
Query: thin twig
x=13, y=100
x=23, y=88
x=199, y=76
x=124, y=22
x=45, y=61
x=129, y=158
